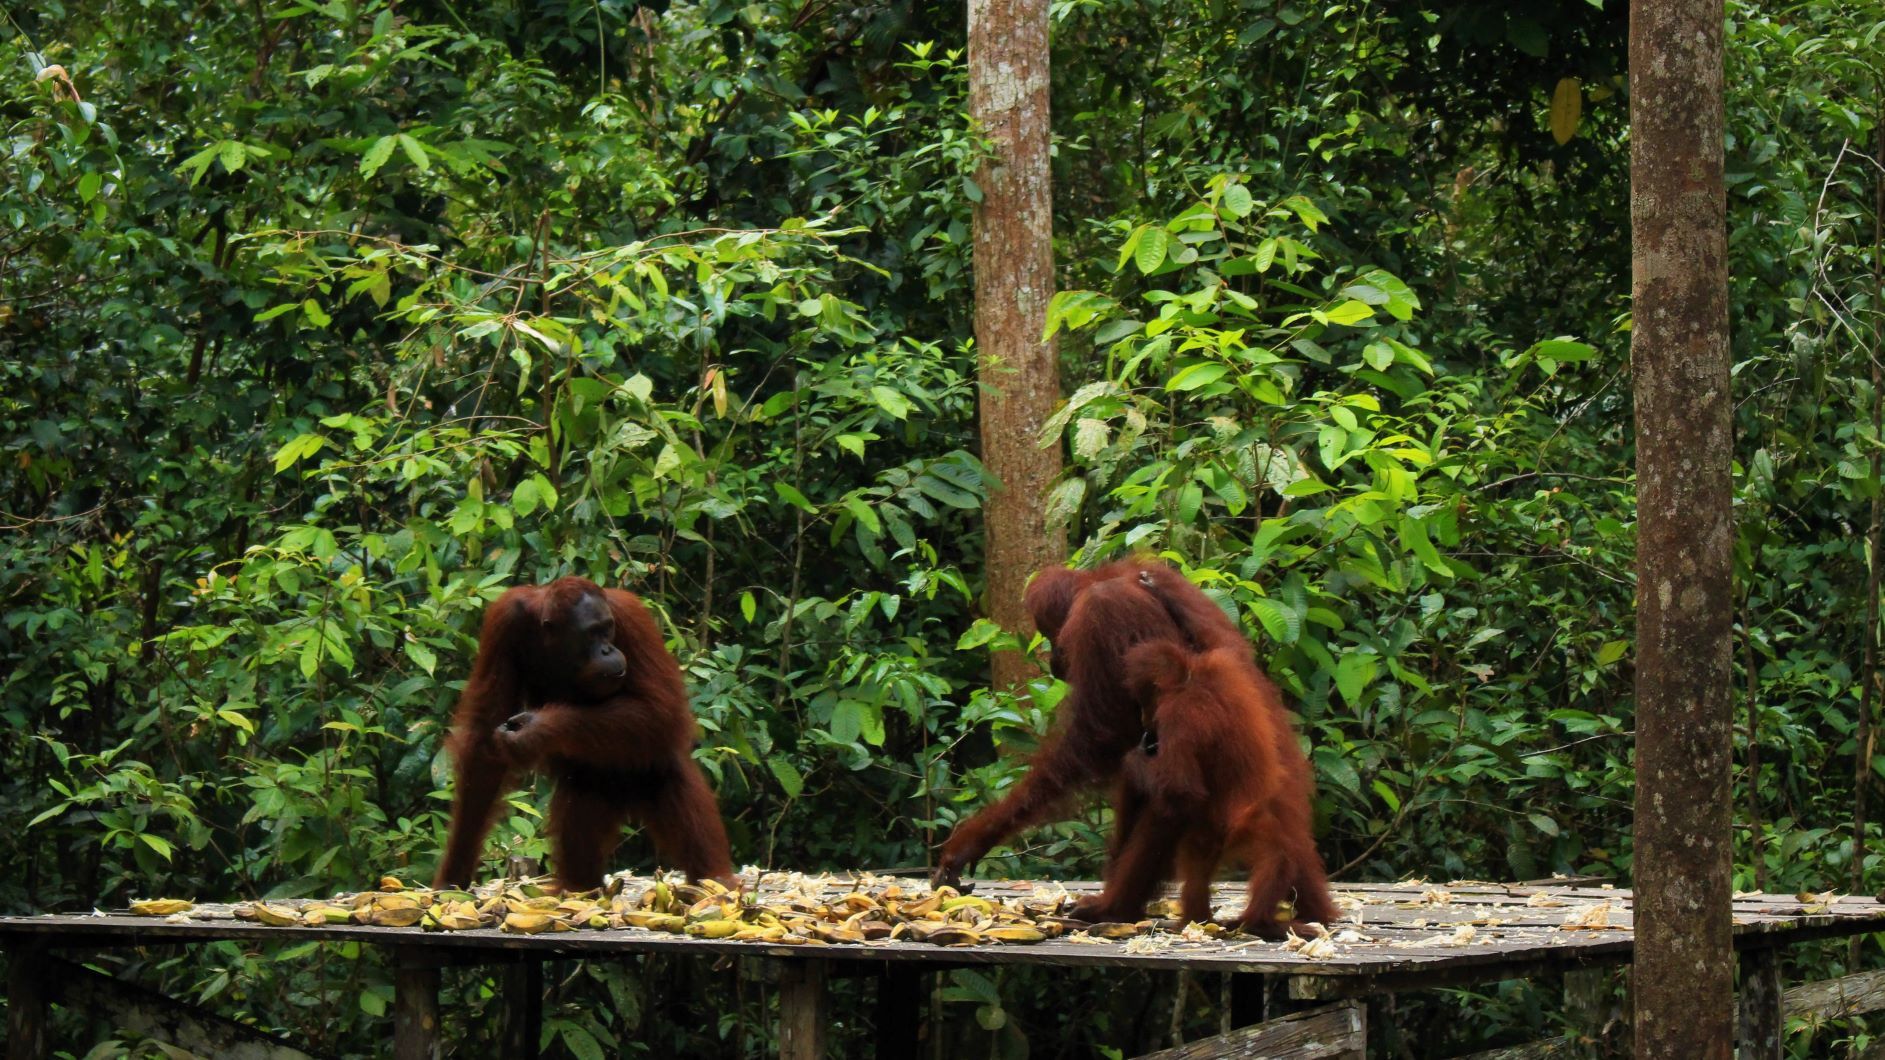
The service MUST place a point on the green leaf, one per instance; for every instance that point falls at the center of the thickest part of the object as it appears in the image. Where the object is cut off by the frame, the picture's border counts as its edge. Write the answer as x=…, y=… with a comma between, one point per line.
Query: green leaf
x=892, y=402
x=581, y=1044
x=1193, y=376
x=1279, y=622
x=1612, y=651
x=1063, y=502
x=1414, y=538
x=1354, y=674
x=524, y=497
x=376, y=155
x=1562, y=350
x=156, y=843
x=1307, y=212
x=866, y=515
x=791, y=781
x=1543, y=824
x=89, y=185
x=414, y=151
x=1237, y=201
x=417, y=651
x=748, y=606
x=1073, y=310
x=981, y=632
x=1353, y=311
x=1265, y=255
x=1150, y=253
x=792, y=496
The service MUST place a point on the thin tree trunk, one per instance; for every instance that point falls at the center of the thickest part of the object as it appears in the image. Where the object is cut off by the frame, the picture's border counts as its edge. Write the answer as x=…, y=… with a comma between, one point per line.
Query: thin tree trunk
x=1685, y=537
x=1874, y=541
x=1014, y=278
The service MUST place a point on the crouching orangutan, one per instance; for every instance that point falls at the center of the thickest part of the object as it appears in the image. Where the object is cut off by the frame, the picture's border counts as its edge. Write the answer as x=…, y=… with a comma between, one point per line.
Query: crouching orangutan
x=574, y=680
x=1093, y=620
x=1219, y=777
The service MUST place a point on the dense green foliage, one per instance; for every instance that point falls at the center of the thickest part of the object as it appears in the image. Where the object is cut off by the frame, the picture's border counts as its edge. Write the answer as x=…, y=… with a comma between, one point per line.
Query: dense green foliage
x=321, y=323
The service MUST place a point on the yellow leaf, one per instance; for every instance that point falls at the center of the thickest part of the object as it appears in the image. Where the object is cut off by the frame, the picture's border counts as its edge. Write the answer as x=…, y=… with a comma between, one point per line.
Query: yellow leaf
x=1567, y=104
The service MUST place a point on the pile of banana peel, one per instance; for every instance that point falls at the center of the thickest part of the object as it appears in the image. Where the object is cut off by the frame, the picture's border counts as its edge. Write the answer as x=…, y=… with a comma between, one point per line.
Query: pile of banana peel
x=877, y=911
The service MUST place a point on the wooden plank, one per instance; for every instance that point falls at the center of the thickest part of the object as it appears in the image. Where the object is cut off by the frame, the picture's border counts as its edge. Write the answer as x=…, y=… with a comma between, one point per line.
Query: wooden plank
x=899, y=1021
x=128, y=1006
x=1228, y=955
x=1431, y=977
x=1761, y=1026
x=1248, y=1001
x=522, y=1028
x=1849, y=995
x=1401, y=941
x=1544, y=1049
x=1597, y=1011
x=802, y=1011
x=1333, y=1032
x=415, y=1007
x=28, y=969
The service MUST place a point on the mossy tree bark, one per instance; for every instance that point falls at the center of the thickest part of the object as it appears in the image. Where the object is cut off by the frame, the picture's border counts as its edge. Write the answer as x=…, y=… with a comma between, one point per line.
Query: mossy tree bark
x=1684, y=434
x=1014, y=278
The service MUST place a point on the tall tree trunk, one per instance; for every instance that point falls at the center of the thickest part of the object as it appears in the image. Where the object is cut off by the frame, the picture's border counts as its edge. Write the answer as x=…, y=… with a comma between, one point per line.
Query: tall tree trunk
x=1685, y=537
x=1014, y=278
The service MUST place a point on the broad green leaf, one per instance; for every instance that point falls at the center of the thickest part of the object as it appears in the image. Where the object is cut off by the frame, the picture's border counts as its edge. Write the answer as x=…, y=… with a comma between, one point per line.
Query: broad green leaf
x=376, y=155
x=1354, y=674
x=1237, y=201
x=792, y=496
x=1278, y=621
x=1193, y=376
x=414, y=151
x=418, y=652
x=979, y=633
x=865, y=514
x=892, y=402
x=1353, y=311
x=1152, y=248
x=1562, y=350
x=791, y=781
x=1063, y=502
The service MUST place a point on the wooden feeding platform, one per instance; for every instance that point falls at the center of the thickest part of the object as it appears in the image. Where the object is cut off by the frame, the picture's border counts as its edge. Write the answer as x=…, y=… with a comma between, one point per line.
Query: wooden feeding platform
x=1393, y=937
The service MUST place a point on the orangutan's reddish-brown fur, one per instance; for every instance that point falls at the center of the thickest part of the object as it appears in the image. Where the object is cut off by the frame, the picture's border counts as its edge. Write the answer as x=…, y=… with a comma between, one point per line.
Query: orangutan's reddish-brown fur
x=1092, y=618
x=574, y=680
x=1226, y=780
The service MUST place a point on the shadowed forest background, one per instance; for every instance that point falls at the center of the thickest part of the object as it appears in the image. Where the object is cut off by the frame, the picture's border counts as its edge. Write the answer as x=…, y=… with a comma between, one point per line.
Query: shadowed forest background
x=320, y=324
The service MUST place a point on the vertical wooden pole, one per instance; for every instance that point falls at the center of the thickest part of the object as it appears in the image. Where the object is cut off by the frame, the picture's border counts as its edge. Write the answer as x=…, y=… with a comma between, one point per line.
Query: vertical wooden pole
x=523, y=1010
x=1762, y=1024
x=415, y=1006
x=899, y=1011
x=27, y=969
x=802, y=1010
x=1248, y=999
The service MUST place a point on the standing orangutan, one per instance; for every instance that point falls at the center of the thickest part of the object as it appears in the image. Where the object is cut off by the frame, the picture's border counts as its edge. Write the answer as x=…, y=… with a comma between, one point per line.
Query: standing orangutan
x=1224, y=779
x=1093, y=618
x=574, y=680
